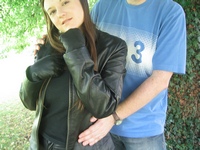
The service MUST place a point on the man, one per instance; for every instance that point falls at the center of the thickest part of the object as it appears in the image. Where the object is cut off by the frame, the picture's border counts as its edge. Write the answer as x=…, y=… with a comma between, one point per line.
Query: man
x=155, y=32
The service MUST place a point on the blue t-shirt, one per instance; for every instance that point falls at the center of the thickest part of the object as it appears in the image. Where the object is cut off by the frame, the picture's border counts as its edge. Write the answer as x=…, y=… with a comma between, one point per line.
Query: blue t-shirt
x=155, y=32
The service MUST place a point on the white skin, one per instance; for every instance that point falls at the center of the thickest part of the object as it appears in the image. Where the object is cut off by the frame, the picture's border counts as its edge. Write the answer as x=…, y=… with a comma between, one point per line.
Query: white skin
x=150, y=88
x=135, y=2
x=65, y=14
x=158, y=81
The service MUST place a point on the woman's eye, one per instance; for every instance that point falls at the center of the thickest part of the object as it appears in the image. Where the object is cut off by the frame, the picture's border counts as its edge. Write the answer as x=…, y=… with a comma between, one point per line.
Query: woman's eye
x=52, y=12
x=65, y=2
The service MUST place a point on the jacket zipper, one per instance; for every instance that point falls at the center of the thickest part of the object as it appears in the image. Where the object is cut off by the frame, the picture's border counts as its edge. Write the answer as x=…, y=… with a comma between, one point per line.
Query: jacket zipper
x=68, y=113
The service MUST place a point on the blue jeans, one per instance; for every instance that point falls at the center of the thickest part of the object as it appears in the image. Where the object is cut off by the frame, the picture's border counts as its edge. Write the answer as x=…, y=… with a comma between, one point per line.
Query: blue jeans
x=104, y=144
x=149, y=143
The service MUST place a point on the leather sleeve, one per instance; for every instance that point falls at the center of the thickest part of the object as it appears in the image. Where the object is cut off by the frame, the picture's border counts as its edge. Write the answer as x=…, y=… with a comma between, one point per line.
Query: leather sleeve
x=100, y=91
x=29, y=92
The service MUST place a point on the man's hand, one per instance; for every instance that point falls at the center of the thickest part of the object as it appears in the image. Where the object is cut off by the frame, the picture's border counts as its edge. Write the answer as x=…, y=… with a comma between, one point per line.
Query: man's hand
x=96, y=131
x=39, y=42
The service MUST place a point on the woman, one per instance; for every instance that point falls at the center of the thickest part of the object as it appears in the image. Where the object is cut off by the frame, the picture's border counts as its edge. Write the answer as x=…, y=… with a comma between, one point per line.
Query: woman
x=67, y=92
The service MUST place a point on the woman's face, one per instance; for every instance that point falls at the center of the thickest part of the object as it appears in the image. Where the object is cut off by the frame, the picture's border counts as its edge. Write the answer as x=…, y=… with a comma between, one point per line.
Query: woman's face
x=65, y=14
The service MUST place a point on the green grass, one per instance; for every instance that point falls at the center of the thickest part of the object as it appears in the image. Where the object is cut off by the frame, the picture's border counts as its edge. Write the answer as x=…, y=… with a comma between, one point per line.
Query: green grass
x=15, y=120
x=15, y=125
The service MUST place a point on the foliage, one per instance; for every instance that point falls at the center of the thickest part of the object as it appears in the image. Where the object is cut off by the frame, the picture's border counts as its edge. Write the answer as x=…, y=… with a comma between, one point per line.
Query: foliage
x=19, y=21
x=92, y=2
x=183, y=123
x=22, y=20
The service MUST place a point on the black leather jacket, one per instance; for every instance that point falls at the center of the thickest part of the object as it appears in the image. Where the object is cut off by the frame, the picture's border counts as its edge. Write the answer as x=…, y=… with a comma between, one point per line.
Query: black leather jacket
x=99, y=92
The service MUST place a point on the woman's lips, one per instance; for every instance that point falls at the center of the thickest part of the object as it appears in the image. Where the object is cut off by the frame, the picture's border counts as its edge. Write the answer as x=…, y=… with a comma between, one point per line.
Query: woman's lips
x=66, y=21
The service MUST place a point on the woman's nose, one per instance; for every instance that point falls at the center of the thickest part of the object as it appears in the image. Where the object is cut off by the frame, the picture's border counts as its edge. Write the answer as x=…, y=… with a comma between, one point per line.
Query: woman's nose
x=61, y=13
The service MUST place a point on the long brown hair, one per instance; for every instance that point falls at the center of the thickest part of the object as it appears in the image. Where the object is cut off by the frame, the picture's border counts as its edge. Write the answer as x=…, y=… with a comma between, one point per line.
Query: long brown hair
x=88, y=27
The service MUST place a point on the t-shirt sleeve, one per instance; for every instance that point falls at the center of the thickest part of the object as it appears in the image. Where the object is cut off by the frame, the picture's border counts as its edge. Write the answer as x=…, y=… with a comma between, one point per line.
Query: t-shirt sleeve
x=94, y=12
x=170, y=52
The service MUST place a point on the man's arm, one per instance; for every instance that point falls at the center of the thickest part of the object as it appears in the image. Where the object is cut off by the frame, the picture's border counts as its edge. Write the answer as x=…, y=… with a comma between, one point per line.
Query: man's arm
x=149, y=89
x=158, y=81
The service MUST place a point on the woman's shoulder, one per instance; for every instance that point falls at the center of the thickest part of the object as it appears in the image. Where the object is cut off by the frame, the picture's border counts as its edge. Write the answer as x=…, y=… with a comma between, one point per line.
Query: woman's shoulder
x=108, y=45
x=107, y=39
x=45, y=50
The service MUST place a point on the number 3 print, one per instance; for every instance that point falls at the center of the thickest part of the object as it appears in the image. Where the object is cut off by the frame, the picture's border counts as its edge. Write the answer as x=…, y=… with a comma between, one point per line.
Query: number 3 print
x=139, y=48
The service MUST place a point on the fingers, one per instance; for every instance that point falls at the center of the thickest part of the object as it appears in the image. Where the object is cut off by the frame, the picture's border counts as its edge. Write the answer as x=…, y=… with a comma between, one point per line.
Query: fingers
x=93, y=119
x=90, y=136
x=44, y=36
x=37, y=48
x=39, y=42
x=96, y=131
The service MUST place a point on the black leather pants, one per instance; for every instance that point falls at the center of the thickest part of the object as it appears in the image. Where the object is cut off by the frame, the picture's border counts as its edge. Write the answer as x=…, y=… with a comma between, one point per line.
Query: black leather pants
x=105, y=144
x=48, y=145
